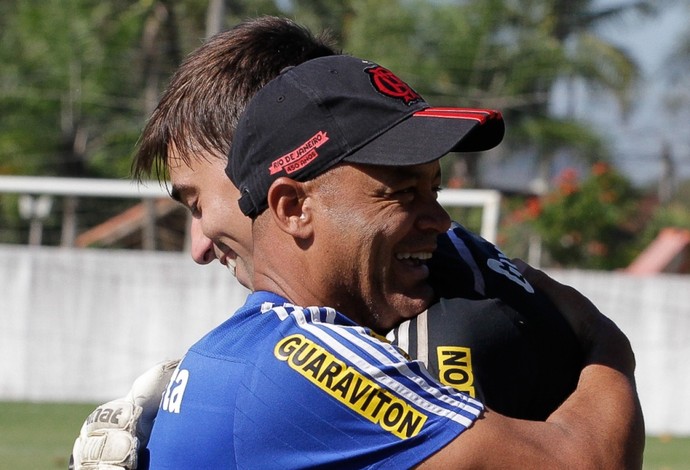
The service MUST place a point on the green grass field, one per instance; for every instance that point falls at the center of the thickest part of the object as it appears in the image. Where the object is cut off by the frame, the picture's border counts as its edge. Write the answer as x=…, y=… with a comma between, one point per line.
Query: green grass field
x=40, y=436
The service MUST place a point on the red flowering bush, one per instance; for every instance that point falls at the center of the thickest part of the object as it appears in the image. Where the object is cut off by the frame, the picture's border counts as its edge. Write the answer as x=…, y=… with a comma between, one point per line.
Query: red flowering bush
x=584, y=222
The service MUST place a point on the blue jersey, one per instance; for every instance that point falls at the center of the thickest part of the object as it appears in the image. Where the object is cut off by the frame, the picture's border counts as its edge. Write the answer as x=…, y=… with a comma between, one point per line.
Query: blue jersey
x=280, y=386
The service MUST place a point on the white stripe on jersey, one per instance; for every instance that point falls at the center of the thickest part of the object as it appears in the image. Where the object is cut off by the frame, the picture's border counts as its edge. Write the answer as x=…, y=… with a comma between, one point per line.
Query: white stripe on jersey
x=403, y=334
x=423, y=338
x=280, y=310
x=359, y=337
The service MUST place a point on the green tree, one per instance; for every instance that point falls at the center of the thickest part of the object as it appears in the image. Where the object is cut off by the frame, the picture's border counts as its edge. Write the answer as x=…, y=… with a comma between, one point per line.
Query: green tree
x=73, y=77
x=79, y=77
x=505, y=54
x=563, y=34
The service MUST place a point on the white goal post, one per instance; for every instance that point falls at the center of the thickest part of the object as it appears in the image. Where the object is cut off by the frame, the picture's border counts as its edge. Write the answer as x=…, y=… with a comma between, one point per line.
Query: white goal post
x=489, y=200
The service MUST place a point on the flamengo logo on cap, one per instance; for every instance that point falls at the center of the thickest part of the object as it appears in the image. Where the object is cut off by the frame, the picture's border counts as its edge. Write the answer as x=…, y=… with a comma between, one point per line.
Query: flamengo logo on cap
x=300, y=157
x=387, y=83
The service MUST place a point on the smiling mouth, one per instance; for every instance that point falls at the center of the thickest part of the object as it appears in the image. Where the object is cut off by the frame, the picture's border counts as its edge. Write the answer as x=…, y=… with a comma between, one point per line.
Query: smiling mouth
x=231, y=264
x=414, y=259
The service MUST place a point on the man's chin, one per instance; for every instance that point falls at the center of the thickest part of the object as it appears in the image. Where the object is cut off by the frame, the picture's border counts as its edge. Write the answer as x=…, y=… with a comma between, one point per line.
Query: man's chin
x=243, y=277
x=405, y=307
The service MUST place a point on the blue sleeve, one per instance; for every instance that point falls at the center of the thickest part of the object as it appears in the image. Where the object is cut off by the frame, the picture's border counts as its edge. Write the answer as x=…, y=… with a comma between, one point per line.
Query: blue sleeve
x=310, y=394
x=347, y=402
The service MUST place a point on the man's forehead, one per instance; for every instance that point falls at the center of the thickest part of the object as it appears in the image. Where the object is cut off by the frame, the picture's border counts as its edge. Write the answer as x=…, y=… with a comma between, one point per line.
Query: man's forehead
x=192, y=156
x=185, y=170
x=431, y=169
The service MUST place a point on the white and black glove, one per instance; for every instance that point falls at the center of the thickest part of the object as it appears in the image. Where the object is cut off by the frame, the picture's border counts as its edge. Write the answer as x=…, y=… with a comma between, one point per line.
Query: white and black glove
x=113, y=433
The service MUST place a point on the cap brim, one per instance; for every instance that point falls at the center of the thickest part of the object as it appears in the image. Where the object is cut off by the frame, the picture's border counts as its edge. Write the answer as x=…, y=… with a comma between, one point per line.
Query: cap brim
x=429, y=134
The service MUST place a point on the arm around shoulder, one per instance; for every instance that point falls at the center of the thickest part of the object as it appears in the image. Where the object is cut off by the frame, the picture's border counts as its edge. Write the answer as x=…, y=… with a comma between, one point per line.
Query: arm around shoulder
x=599, y=426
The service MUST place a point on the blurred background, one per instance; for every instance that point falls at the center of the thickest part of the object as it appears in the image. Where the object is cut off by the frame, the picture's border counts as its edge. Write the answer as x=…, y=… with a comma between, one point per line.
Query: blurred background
x=592, y=182
x=596, y=97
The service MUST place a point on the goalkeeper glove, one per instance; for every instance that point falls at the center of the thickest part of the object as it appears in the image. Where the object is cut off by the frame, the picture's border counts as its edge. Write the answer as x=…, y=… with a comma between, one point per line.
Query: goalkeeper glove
x=113, y=433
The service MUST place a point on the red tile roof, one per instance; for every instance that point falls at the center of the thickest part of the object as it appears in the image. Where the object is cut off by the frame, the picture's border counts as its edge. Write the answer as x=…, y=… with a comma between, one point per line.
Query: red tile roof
x=668, y=253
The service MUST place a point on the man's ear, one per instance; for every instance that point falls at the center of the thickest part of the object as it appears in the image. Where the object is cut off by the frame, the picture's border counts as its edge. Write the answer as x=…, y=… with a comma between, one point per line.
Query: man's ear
x=290, y=207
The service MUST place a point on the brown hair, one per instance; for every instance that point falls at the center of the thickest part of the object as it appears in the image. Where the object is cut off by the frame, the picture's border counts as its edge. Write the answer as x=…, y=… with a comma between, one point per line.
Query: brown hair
x=200, y=108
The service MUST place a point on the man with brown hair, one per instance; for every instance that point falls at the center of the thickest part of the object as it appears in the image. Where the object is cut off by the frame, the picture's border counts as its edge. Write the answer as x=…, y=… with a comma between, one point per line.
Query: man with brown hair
x=508, y=332
x=339, y=175
x=192, y=145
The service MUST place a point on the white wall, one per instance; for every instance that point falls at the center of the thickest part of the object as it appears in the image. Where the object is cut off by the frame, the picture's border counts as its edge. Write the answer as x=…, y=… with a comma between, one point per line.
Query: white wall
x=80, y=325
x=655, y=314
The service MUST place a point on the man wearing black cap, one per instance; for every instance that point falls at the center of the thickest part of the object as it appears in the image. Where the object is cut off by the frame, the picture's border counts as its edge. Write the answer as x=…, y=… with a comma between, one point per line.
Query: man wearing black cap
x=521, y=361
x=344, y=218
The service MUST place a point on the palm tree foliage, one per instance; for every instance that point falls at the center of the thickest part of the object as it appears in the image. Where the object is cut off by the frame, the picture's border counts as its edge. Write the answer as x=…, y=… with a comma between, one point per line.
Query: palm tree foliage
x=77, y=72
x=507, y=54
x=79, y=77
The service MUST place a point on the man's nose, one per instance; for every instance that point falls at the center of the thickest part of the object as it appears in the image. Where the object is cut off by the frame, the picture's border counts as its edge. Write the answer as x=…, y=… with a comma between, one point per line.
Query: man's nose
x=433, y=217
x=202, y=246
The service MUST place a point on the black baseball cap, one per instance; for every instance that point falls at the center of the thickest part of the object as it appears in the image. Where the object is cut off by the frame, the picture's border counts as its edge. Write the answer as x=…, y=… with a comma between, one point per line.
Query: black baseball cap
x=344, y=109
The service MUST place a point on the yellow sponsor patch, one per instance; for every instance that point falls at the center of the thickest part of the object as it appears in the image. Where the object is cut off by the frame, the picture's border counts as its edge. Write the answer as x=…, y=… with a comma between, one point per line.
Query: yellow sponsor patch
x=350, y=387
x=455, y=368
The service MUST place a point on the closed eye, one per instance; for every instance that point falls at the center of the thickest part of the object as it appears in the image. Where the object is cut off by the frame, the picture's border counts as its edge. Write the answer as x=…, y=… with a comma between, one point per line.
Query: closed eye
x=195, y=210
x=413, y=190
x=186, y=195
x=405, y=195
